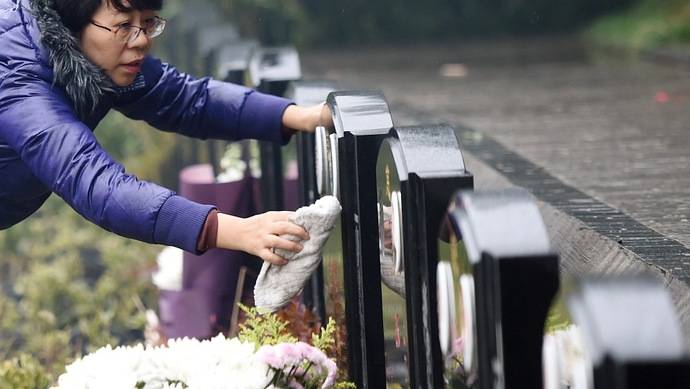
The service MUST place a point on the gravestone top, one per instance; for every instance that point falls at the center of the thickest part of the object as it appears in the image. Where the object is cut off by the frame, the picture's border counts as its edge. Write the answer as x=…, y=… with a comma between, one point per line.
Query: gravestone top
x=430, y=151
x=310, y=92
x=269, y=64
x=212, y=36
x=631, y=319
x=360, y=113
x=234, y=56
x=504, y=224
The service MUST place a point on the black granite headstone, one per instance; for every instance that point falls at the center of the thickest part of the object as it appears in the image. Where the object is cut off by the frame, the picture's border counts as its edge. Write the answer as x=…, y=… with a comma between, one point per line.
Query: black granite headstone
x=271, y=69
x=496, y=285
x=345, y=167
x=624, y=334
x=418, y=170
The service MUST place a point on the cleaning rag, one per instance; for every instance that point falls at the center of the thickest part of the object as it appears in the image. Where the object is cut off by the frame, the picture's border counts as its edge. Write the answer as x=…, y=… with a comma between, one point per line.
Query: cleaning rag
x=277, y=285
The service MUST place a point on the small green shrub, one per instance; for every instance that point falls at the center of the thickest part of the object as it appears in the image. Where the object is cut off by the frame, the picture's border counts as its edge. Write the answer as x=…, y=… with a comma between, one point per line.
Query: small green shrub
x=23, y=372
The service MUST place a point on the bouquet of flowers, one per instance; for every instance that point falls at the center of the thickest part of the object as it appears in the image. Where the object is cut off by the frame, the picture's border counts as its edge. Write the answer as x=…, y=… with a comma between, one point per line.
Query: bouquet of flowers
x=263, y=356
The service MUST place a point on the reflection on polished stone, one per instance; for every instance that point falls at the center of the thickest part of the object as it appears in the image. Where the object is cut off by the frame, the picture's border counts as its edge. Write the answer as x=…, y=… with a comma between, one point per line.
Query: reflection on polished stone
x=389, y=203
x=456, y=309
x=334, y=291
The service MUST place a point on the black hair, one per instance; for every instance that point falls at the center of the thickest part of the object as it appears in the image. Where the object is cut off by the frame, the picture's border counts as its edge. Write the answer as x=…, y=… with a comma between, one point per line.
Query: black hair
x=76, y=14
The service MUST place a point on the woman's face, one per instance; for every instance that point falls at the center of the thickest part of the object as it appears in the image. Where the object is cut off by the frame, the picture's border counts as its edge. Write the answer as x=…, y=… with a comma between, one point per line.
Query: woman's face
x=120, y=60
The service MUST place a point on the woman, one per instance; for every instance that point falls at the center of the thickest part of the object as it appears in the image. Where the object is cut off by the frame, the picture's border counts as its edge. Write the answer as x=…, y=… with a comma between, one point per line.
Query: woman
x=63, y=65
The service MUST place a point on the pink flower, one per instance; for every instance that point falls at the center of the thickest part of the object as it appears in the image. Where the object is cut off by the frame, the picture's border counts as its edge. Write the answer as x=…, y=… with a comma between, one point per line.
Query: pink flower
x=458, y=345
x=295, y=385
x=267, y=355
x=290, y=353
x=332, y=370
x=312, y=354
x=289, y=356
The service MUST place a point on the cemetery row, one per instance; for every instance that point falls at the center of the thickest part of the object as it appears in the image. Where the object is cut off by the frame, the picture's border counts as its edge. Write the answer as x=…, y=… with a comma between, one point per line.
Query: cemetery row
x=436, y=285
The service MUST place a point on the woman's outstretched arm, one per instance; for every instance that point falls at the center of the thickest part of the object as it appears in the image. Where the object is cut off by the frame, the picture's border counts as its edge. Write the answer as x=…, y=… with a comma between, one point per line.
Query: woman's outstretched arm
x=205, y=108
x=62, y=152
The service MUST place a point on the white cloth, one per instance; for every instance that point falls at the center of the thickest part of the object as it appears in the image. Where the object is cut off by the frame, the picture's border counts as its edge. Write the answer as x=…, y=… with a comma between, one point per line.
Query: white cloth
x=277, y=285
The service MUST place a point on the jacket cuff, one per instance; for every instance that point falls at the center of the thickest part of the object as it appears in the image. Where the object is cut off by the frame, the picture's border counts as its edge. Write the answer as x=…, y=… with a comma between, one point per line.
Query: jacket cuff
x=179, y=223
x=262, y=118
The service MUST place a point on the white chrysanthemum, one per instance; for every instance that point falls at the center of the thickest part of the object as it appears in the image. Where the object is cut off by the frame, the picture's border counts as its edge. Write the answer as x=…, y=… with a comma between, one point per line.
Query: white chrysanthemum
x=106, y=368
x=212, y=364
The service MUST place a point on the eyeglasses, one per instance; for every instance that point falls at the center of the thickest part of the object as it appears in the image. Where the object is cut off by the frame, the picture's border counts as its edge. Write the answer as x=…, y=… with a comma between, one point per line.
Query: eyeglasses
x=126, y=32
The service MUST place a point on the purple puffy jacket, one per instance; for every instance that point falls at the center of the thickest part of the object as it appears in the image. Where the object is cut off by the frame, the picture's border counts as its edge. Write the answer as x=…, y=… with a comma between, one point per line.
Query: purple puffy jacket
x=51, y=99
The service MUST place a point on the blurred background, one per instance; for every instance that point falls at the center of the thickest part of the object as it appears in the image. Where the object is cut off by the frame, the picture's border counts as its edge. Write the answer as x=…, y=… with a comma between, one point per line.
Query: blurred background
x=309, y=23
x=67, y=287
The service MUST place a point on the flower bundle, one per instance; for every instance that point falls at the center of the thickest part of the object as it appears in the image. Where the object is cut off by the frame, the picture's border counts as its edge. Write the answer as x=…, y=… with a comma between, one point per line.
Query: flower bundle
x=210, y=364
x=298, y=366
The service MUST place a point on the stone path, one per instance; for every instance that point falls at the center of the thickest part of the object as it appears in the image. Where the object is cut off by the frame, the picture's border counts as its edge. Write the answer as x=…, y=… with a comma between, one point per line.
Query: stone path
x=603, y=141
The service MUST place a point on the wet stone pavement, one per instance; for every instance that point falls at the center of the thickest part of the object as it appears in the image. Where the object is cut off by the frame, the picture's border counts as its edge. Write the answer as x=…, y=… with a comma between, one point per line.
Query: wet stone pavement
x=601, y=139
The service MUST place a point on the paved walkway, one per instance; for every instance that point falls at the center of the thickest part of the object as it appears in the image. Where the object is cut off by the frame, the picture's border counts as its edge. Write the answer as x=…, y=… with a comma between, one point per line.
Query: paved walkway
x=602, y=141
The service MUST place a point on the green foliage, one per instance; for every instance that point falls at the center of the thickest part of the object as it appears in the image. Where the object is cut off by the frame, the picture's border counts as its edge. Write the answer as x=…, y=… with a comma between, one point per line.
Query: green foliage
x=75, y=288
x=325, y=340
x=23, y=372
x=269, y=329
x=648, y=24
x=558, y=317
x=263, y=328
x=68, y=287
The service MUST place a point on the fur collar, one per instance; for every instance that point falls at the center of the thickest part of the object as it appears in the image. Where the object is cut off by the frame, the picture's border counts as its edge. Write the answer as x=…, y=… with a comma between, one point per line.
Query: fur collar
x=84, y=83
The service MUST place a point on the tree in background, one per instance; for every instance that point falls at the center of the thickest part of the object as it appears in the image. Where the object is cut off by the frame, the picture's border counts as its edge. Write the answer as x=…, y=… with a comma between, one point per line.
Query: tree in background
x=648, y=24
x=317, y=22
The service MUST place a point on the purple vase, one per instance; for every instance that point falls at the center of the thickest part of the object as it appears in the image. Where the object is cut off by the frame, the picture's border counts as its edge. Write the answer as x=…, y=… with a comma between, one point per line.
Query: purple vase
x=204, y=306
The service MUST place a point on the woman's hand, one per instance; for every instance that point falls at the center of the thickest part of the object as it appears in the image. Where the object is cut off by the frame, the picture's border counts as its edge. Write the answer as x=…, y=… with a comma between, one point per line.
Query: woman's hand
x=259, y=235
x=307, y=118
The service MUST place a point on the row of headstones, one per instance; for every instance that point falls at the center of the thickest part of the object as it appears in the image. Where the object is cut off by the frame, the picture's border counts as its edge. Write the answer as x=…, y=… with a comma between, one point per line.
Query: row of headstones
x=446, y=286
x=450, y=287
x=439, y=285
x=199, y=297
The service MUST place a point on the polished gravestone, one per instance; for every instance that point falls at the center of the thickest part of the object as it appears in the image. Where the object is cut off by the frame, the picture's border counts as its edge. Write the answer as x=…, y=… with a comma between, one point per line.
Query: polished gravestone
x=231, y=60
x=213, y=282
x=496, y=281
x=182, y=34
x=345, y=158
x=418, y=170
x=209, y=38
x=623, y=334
x=309, y=93
x=180, y=45
x=271, y=69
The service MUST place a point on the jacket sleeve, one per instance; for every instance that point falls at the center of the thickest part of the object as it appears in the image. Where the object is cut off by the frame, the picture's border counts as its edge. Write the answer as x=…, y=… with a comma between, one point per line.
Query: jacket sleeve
x=203, y=108
x=38, y=123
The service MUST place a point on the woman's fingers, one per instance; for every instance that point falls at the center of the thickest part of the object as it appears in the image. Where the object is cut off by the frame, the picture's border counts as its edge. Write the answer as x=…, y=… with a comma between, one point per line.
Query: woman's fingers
x=269, y=256
x=281, y=225
x=281, y=228
x=265, y=231
x=285, y=244
x=325, y=116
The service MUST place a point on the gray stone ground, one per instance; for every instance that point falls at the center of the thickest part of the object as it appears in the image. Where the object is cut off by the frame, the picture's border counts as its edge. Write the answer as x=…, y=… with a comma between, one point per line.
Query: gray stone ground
x=615, y=128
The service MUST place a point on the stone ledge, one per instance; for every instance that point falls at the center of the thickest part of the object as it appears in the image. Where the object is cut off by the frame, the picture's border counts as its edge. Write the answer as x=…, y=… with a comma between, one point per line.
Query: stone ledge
x=582, y=249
